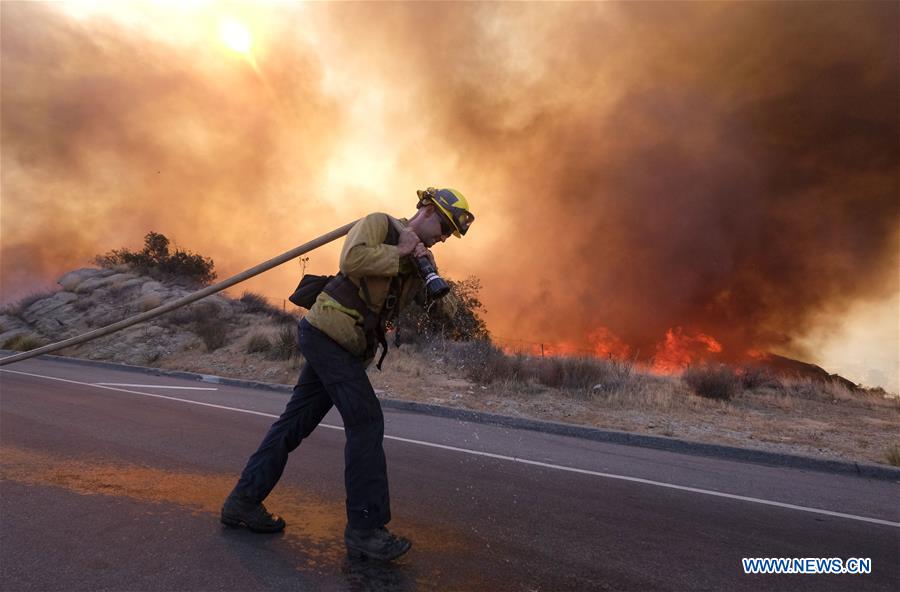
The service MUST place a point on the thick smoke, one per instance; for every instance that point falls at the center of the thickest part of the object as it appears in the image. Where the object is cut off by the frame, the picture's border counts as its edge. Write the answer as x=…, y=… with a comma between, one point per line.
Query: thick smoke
x=727, y=169
x=108, y=134
x=724, y=170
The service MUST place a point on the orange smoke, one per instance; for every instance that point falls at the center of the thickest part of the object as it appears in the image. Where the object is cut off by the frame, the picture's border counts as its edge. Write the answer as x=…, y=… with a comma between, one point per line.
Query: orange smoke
x=726, y=168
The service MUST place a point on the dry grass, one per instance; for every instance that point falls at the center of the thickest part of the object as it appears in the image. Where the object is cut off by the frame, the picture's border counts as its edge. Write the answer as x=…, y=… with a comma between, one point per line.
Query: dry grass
x=206, y=323
x=213, y=334
x=254, y=303
x=754, y=377
x=285, y=344
x=15, y=309
x=25, y=342
x=712, y=381
x=893, y=455
x=785, y=415
x=70, y=283
x=117, y=290
x=27, y=301
x=483, y=362
x=258, y=343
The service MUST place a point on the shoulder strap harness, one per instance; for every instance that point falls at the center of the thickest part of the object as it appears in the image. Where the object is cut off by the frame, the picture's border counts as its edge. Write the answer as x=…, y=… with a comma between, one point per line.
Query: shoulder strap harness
x=346, y=293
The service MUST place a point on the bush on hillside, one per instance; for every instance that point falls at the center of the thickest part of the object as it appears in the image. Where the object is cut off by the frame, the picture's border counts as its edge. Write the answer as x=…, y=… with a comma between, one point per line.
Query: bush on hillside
x=213, y=333
x=712, y=381
x=285, y=344
x=258, y=304
x=752, y=377
x=24, y=342
x=258, y=343
x=156, y=260
x=466, y=324
x=254, y=302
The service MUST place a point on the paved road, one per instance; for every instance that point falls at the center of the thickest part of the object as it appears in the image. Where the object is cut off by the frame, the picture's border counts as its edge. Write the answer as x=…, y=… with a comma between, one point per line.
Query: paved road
x=118, y=487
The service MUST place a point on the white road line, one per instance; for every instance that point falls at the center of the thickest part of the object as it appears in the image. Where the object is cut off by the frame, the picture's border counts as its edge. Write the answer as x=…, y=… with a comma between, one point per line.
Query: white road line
x=514, y=459
x=159, y=386
x=155, y=396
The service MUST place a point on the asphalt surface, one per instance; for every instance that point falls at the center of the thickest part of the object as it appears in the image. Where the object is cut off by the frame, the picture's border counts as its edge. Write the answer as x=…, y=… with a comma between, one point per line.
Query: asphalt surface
x=104, y=489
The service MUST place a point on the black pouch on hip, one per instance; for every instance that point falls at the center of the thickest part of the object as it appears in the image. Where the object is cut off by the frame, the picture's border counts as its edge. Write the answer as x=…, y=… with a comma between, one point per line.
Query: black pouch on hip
x=308, y=290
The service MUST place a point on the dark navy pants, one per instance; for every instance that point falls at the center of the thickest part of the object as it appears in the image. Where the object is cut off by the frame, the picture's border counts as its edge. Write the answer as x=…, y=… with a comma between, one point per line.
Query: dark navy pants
x=330, y=376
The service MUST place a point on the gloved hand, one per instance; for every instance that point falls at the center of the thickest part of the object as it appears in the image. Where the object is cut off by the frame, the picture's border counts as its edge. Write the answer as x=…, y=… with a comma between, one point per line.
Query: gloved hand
x=448, y=305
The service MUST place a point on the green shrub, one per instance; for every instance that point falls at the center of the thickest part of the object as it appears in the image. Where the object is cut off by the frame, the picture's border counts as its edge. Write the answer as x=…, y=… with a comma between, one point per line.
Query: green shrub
x=711, y=381
x=156, y=260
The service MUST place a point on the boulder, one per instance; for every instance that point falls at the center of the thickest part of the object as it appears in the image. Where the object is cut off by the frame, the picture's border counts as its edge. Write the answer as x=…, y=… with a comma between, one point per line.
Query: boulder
x=51, y=326
x=121, y=277
x=95, y=283
x=138, y=281
x=152, y=286
x=9, y=322
x=46, y=306
x=72, y=279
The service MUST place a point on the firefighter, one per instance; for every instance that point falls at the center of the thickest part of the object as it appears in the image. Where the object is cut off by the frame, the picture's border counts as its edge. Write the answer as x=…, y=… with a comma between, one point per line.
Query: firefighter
x=338, y=339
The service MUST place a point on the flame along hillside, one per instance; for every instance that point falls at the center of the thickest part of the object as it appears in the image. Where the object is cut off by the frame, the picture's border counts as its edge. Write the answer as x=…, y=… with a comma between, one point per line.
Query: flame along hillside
x=680, y=350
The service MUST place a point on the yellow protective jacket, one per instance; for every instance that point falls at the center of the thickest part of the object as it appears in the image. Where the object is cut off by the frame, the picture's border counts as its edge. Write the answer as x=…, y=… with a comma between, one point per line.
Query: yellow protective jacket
x=365, y=255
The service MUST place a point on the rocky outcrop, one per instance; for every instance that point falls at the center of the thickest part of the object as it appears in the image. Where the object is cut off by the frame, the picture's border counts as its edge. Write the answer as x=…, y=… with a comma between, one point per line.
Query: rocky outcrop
x=12, y=327
x=92, y=298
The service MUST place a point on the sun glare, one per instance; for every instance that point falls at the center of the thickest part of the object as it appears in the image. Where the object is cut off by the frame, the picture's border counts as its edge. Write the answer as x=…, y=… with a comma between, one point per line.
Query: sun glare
x=236, y=36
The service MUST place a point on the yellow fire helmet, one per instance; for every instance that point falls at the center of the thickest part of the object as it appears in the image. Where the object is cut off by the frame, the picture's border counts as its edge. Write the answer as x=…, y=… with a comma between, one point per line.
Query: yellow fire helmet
x=452, y=204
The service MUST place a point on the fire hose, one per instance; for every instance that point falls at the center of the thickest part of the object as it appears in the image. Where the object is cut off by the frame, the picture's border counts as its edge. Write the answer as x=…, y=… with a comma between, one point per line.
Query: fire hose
x=185, y=300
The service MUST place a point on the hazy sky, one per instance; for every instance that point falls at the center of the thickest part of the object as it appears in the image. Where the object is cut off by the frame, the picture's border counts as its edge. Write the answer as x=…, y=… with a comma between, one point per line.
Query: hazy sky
x=721, y=173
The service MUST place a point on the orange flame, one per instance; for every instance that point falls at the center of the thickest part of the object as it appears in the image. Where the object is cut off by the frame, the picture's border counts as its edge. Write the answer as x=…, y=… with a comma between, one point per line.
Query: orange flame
x=679, y=350
x=607, y=344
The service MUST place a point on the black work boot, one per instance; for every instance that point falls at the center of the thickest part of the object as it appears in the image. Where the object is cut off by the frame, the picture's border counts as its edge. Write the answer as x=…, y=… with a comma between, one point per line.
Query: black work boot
x=237, y=513
x=377, y=543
